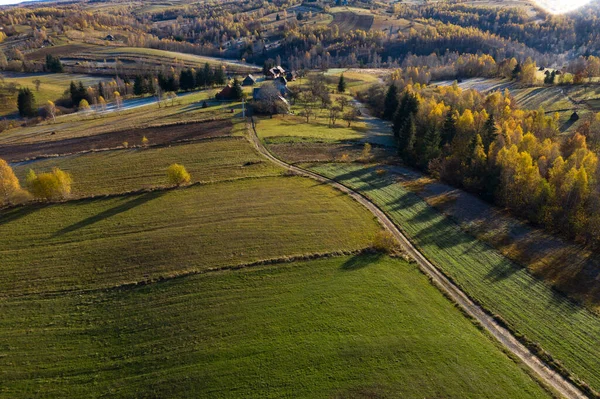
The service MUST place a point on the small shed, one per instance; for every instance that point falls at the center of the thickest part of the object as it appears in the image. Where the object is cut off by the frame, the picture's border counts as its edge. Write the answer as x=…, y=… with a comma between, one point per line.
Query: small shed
x=249, y=81
x=110, y=38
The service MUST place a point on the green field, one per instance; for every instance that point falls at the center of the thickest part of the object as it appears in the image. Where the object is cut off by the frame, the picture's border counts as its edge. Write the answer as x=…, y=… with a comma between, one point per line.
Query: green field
x=566, y=330
x=294, y=128
x=109, y=172
x=52, y=87
x=350, y=327
x=186, y=109
x=125, y=239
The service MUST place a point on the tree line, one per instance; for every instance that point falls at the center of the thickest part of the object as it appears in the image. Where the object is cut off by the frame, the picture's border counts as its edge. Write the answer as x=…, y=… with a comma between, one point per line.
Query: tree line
x=487, y=145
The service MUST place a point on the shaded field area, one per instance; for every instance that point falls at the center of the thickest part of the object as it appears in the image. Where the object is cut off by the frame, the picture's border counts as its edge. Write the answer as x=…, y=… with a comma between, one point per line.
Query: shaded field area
x=326, y=152
x=100, y=243
x=155, y=135
x=348, y=20
x=349, y=327
x=572, y=268
x=110, y=172
x=568, y=331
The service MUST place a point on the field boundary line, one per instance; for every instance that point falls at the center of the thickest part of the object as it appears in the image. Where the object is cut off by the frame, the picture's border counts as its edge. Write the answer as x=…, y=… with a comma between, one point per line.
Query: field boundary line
x=552, y=378
x=282, y=260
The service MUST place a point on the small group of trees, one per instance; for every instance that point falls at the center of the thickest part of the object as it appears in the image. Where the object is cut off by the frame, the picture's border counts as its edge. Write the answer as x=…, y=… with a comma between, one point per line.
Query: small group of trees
x=53, y=64
x=50, y=186
x=26, y=103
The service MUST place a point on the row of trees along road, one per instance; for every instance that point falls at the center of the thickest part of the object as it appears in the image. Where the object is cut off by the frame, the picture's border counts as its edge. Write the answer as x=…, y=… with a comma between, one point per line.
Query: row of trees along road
x=513, y=157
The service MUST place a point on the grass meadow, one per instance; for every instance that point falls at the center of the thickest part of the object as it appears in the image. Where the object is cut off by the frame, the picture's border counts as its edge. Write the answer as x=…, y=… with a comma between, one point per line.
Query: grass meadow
x=52, y=86
x=568, y=331
x=117, y=171
x=107, y=242
x=344, y=327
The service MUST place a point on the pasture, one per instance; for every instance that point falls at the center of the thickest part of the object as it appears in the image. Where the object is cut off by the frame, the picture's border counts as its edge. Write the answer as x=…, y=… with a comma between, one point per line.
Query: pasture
x=117, y=171
x=567, y=330
x=338, y=327
x=52, y=86
x=107, y=242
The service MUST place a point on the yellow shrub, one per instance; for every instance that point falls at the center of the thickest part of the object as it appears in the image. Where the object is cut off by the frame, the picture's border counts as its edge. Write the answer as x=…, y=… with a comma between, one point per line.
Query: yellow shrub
x=345, y=158
x=177, y=175
x=55, y=185
x=385, y=242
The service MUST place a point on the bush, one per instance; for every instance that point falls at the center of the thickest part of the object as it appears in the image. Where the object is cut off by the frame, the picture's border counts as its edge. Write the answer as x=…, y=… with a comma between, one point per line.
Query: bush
x=52, y=186
x=385, y=242
x=177, y=175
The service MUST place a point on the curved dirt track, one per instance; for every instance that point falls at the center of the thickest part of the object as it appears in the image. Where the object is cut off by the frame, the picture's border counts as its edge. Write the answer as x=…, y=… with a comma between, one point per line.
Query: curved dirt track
x=549, y=376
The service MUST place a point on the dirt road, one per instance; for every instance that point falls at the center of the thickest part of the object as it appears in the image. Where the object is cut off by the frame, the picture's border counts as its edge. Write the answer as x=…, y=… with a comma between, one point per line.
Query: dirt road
x=549, y=376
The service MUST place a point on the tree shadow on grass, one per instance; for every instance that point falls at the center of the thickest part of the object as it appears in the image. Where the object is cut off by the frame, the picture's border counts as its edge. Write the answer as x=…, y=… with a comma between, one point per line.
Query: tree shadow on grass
x=122, y=207
x=14, y=214
x=360, y=261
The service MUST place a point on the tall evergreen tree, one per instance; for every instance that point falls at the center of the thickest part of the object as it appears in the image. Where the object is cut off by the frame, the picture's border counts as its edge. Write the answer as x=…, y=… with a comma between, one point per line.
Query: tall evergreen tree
x=238, y=91
x=26, y=103
x=391, y=102
x=208, y=75
x=219, y=77
x=490, y=131
x=407, y=139
x=409, y=105
x=449, y=129
x=341, y=84
x=138, y=85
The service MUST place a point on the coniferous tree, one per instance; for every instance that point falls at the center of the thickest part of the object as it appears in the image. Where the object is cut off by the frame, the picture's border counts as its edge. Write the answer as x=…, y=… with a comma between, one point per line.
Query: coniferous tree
x=391, y=102
x=341, y=84
x=449, y=129
x=138, y=85
x=237, y=92
x=219, y=77
x=409, y=105
x=26, y=103
x=490, y=131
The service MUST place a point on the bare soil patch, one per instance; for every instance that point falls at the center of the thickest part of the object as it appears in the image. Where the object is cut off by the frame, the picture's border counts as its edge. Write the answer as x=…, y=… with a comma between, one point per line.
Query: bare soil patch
x=156, y=136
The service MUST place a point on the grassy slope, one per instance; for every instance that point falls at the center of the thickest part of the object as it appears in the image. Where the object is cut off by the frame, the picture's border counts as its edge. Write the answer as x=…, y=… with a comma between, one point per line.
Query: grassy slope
x=568, y=331
x=186, y=109
x=341, y=327
x=52, y=87
x=108, y=242
x=109, y=172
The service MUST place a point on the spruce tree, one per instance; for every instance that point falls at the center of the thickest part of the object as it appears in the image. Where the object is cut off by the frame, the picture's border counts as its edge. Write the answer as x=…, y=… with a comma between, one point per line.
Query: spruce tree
x=341, y=84
x=138, y=85
x=26, y=103
x=391, y=102
x=449, y=129
x=490, y=131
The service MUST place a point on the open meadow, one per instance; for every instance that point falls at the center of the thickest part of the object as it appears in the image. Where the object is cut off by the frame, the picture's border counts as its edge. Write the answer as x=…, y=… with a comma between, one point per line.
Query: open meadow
x=566, y=330
x=339, y=327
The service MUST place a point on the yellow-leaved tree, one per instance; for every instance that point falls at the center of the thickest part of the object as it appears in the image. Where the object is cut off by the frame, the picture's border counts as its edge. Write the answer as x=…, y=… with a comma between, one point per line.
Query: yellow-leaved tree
x=177, y=175
x=52, y=186
x=10, y=189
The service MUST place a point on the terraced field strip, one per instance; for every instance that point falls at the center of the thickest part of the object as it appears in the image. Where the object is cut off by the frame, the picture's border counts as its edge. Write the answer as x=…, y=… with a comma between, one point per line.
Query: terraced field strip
x=117, y=171
x=550, y=377
x=337, y=327
x=102, y=243
x=566, y=330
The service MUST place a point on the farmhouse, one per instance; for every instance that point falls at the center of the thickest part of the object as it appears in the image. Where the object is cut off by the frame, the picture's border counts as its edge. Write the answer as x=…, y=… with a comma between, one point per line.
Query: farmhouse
x=275, y=72
x=249, y=81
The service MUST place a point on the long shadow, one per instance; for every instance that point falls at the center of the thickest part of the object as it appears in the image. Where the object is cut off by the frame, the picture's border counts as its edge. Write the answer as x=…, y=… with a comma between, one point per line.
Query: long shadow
x=123, y=207
x=501, y=271
x=567, y=125
x=18, y=213
x=360, y=261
